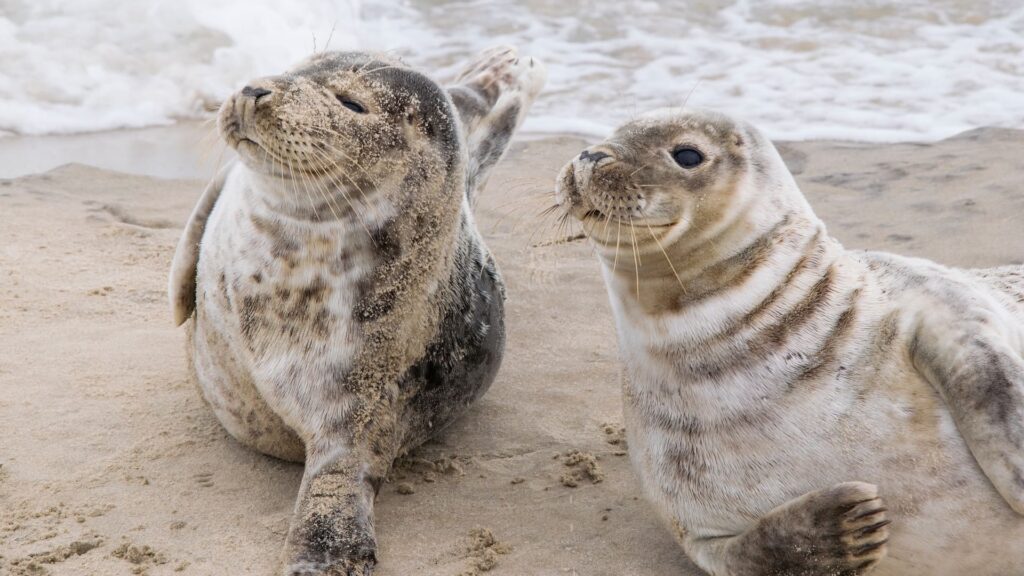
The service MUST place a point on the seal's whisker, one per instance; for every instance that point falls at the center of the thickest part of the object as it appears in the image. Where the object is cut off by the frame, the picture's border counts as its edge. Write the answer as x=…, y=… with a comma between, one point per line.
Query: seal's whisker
x=561, y=223
x=208, y=129
x=274, y=170
x=324, y=187
x=329, y=163
x=667, y=258
x=636, y=257
x=208, y=132
x=559, y=230
x=517, y=212
x=530, y=203
x=542, y=223
x=569, y=223
x=318, y=188
x=690, y=93
x=618, y=234
x=335, y=150
x=504, y=216
x=220, y=156
x=517, y=202
x=550, y=209
x=302, y=181
x=330, y=36
x=525, y=191
x=607, y=220
x=332, y=184
x=208, y=140
x=308, y=183
x=360, y=70
x=324, y=192
x=353, y=206
x=378, y=69
x=638, y=170
x=545, y=224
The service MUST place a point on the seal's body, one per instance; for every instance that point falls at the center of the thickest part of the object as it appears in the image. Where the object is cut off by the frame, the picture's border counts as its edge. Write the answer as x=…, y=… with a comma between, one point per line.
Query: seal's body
x=777, y=383
x=346, y=308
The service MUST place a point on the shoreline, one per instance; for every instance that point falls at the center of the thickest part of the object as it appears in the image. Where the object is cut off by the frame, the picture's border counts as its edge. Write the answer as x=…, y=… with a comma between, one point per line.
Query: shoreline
x=190, y=149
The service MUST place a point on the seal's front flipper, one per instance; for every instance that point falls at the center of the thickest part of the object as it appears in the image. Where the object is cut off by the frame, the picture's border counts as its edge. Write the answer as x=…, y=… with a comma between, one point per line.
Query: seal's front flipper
x=841, y=530
x=980, y=376
x=181, y=288
x=332, y=528
x=492, y=95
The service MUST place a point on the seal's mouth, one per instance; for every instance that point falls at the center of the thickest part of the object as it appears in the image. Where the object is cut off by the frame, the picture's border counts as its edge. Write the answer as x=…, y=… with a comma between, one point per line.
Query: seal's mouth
x=243, y=141
x=589, y=203
x=234, y=129
x=261, y=157
x=237, y=123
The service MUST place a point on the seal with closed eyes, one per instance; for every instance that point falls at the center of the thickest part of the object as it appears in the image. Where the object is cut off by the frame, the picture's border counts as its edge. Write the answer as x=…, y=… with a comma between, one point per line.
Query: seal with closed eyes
x=778, y=387
x=346, y=308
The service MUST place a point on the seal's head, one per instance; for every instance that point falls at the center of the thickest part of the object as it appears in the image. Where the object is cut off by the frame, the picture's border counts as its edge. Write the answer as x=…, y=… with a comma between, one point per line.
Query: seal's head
x=343, y=119
x=672, y=174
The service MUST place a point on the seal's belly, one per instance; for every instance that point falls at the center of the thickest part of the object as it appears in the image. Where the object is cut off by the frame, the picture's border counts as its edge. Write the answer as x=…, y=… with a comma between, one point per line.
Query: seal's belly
x=274, y=324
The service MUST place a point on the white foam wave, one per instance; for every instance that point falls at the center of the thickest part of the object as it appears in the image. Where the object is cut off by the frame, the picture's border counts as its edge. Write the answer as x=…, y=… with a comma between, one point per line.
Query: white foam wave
x=82, y=65
x=852, y=69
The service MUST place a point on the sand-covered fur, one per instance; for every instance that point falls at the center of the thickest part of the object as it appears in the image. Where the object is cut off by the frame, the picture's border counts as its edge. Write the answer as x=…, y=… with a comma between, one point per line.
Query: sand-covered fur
x=345, y=305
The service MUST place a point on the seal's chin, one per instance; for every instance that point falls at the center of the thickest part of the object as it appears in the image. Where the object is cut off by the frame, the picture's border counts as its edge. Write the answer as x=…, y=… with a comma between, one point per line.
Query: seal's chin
x=612, y=232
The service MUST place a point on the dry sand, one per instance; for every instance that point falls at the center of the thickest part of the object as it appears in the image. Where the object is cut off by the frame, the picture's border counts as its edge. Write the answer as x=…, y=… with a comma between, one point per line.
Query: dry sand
x=111, y=464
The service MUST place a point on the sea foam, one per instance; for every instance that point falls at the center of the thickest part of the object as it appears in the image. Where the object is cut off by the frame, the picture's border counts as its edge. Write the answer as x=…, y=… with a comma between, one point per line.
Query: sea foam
x=857, y=69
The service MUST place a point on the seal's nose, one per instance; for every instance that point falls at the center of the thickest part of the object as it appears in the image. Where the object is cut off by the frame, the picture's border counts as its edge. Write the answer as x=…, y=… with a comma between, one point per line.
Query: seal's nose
x=595, y=157
x=254, y=93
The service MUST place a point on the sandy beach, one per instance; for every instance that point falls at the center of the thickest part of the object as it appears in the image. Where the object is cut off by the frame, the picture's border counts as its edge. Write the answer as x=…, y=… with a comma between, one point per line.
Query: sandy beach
x=111, y=464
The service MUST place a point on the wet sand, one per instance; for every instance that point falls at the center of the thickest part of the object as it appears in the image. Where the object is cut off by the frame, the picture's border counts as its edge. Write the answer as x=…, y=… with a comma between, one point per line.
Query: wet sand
x=111, y=464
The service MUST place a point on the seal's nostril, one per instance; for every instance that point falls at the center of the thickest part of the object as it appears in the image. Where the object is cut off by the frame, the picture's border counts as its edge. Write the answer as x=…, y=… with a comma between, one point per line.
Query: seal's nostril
x=254, y=93
x=594, y=157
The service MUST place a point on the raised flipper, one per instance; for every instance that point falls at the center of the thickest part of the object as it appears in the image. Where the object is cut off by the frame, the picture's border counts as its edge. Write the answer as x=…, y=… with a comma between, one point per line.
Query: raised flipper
x=492, y=96
x=977, y=368
x=181, y=288
x=838, y=531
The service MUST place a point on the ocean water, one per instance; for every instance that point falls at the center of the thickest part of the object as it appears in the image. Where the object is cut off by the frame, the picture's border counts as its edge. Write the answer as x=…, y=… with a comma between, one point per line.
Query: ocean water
x=852, y=69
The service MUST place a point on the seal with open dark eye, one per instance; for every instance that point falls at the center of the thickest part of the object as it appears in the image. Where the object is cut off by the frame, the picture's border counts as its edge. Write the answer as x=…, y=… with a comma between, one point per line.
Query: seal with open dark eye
x=778, y=387
x=345, y=305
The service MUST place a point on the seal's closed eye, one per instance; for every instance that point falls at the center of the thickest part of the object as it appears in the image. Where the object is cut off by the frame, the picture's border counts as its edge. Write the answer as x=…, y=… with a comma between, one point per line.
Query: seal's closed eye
x=352, y=105
x=688, y=157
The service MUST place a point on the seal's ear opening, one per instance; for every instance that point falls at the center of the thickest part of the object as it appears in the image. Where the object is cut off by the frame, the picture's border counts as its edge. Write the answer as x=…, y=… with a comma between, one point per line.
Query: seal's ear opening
x=737, y=139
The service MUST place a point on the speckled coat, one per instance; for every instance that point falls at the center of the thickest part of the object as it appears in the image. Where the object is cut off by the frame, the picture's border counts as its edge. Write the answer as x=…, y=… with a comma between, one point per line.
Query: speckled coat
x=346, y=307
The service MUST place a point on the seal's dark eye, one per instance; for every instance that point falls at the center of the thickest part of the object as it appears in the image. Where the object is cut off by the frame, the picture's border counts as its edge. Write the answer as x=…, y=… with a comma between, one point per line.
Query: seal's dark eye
x=351, y=105
x=688, y=157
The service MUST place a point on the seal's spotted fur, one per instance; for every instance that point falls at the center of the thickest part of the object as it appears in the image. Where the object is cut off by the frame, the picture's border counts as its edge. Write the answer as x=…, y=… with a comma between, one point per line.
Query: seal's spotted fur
x=773, y=378
x=345, y=305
